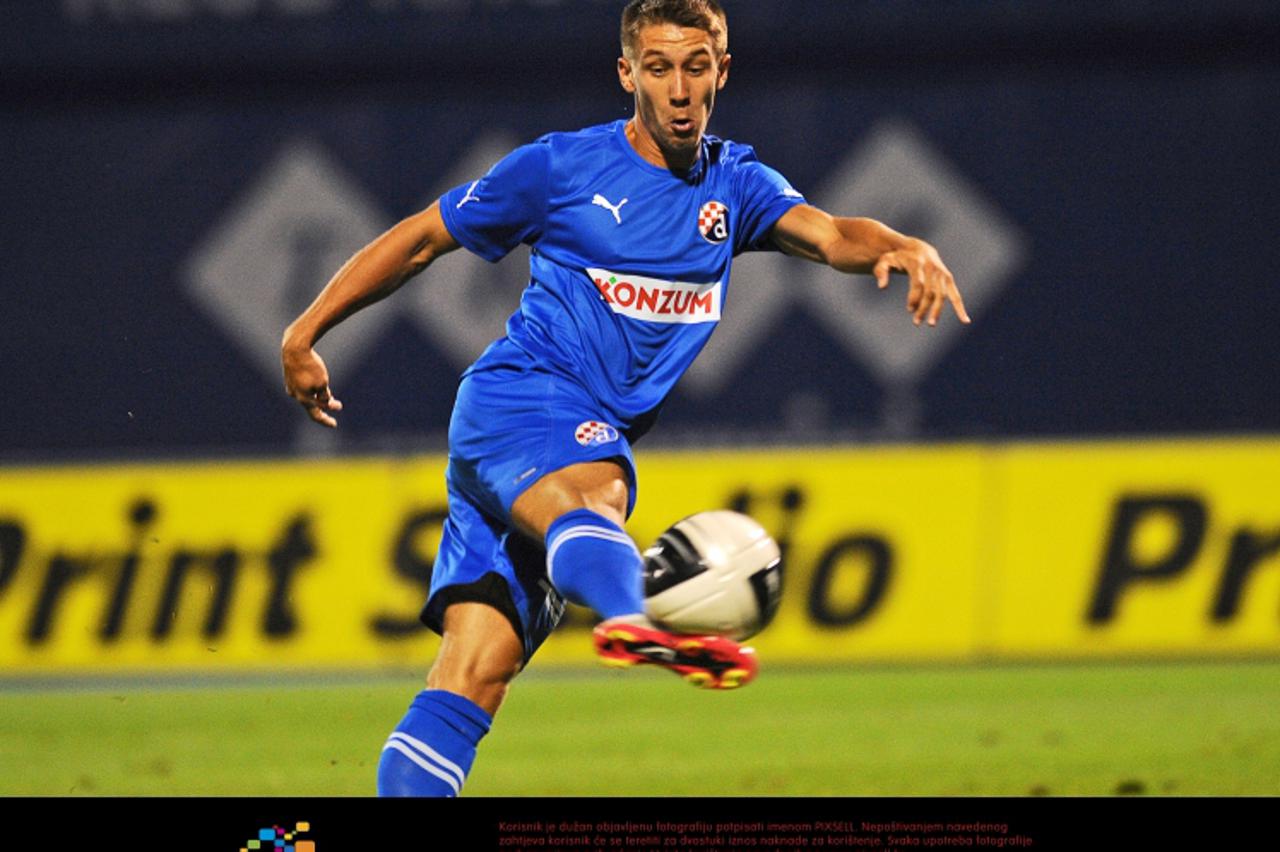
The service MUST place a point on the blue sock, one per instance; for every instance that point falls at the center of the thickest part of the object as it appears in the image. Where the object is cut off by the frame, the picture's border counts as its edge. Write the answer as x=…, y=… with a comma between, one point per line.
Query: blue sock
x=593, y=563
x=431, y=750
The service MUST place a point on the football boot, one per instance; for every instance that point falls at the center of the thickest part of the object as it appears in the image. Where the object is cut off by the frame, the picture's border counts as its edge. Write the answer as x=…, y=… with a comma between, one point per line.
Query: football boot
x=708, y=662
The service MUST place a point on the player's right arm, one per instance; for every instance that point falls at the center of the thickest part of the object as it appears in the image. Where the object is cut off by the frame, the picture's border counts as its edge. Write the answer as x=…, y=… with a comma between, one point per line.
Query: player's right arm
x=372, y=274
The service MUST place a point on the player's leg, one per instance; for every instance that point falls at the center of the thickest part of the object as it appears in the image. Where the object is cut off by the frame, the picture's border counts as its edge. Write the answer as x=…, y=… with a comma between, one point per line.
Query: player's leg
x=578, y=511
x=432, y=748
x=491, y=613
x=480, y=654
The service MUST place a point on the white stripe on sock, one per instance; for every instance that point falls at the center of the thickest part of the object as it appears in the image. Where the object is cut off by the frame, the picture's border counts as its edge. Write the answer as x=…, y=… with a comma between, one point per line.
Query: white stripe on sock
x=431, y=754
x=585, y=532
x=412, y=755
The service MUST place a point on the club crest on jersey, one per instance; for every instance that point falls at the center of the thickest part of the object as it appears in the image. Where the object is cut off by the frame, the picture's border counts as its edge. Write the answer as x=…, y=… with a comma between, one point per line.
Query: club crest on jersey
x=595, y=432
x=713, y=222
x=655, y=300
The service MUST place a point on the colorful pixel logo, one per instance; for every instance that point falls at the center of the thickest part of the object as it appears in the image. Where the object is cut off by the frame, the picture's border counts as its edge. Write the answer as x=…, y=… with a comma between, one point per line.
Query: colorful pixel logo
x=277, y=839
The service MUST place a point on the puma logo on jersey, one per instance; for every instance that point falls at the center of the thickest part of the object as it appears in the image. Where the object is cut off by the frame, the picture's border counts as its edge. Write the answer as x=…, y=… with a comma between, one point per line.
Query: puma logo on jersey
x=655, y=300
x=468, y=196
x=615, y=209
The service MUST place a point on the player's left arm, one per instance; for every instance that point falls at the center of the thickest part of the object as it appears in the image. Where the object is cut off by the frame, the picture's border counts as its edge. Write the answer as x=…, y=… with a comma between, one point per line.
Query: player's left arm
x=867, y=246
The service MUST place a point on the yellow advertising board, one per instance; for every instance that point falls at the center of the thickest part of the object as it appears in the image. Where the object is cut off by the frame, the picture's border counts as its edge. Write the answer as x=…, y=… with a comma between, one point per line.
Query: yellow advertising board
x=1138, y=549
x=890, y=553
x=217, y=566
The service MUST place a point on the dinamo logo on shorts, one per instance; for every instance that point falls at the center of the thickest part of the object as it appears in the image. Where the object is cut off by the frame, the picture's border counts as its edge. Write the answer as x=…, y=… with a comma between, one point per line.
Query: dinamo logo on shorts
x=713, y=222
x=595, y=432
x=655, y=300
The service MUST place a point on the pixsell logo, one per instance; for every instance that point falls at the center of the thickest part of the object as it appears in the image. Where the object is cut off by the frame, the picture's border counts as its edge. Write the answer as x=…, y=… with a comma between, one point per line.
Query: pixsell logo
x=275, y=838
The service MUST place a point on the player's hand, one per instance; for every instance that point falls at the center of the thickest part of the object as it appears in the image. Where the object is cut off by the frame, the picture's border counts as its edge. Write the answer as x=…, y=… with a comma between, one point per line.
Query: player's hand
x=307, y=380
x=932, y=285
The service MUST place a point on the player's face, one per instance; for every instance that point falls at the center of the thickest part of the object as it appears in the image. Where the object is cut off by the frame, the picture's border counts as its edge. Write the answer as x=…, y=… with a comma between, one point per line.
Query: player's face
x=674, y=75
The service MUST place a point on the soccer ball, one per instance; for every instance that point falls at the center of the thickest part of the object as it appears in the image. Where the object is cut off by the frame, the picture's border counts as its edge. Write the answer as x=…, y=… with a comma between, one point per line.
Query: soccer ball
x=715, y=572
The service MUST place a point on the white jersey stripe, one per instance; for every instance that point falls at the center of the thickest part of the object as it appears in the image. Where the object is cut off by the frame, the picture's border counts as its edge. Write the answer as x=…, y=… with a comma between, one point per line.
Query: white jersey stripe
x=416, y=758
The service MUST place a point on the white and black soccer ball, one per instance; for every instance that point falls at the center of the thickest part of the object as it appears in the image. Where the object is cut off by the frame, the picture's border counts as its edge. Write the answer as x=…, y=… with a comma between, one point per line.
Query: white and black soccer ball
x=715, y=572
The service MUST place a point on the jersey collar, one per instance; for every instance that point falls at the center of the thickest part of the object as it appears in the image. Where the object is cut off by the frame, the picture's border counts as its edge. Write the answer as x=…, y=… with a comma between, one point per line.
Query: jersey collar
x=620, y=133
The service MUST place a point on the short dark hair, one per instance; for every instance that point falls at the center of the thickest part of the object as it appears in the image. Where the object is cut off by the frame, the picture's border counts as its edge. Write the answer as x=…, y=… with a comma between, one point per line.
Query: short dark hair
x=700, y=14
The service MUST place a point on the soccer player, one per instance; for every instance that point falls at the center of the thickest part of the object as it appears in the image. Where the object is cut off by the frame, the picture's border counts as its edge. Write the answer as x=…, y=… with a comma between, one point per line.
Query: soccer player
x=633, y=227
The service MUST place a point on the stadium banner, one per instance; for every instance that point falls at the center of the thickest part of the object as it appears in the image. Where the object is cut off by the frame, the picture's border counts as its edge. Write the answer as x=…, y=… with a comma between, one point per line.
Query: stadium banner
x=1137, y=548
x=960, y=552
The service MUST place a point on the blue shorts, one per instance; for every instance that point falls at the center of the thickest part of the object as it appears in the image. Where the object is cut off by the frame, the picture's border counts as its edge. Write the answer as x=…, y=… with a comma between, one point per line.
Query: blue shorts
x=510, y=427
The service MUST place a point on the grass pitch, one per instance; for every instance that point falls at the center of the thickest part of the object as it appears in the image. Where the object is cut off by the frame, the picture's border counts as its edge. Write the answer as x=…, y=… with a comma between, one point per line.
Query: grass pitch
x=1103, y=729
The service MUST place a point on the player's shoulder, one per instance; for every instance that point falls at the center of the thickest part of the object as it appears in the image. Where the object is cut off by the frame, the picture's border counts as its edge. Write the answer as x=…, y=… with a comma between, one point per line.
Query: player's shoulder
x=567, y=141
x=737, y=165
x=728, y=153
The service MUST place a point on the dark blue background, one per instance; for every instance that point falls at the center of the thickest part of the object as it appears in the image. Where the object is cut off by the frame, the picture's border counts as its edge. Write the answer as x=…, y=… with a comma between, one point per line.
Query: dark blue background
x=1133, y=146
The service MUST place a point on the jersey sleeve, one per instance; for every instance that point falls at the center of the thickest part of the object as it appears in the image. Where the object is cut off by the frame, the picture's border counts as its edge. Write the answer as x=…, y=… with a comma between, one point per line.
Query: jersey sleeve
x=763, y=196
x=506, y=207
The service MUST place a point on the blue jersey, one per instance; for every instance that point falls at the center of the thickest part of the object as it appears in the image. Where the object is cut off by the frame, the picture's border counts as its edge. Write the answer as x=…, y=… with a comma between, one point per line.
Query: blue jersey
x=630, y=262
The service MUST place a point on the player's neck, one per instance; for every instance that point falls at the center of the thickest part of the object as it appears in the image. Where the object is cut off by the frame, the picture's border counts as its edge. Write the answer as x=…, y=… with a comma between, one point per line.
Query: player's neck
x=647, y=147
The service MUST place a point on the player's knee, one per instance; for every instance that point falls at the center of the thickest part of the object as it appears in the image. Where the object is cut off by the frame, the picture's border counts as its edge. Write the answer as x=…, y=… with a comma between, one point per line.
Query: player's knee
x=484, y=684
x=479, y=672
x=477, y=666
x=609, y=501
x=600, y=487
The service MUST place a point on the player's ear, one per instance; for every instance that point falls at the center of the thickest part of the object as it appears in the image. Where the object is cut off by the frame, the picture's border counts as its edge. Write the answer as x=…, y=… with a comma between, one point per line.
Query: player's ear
x=624, y=75
x=722, y=71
